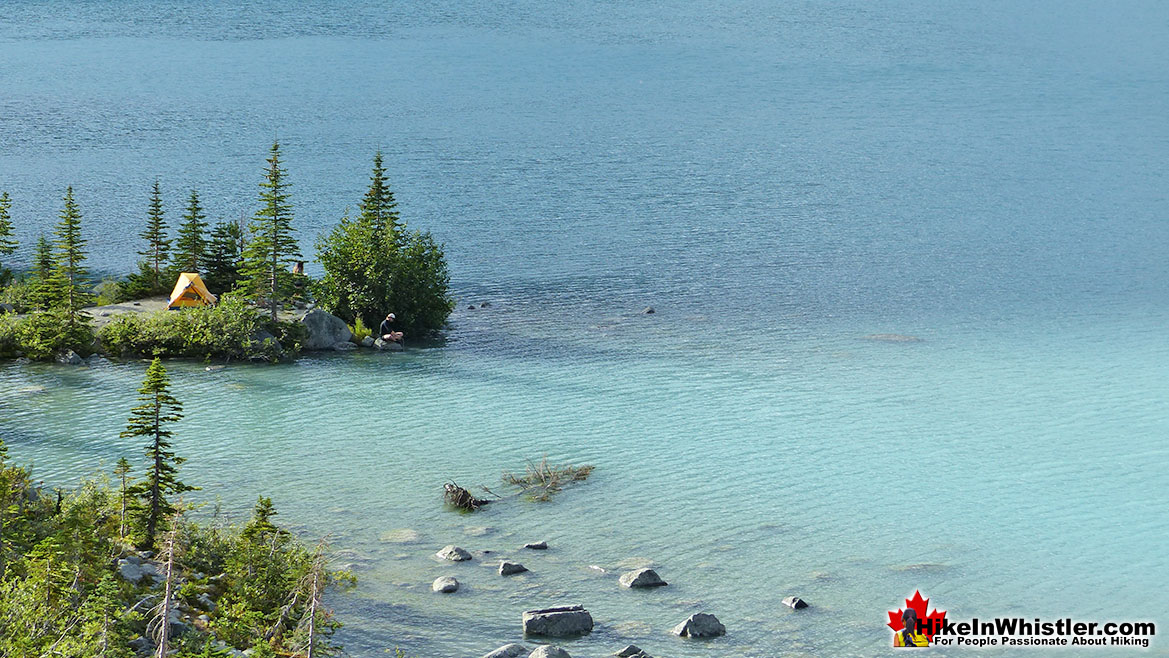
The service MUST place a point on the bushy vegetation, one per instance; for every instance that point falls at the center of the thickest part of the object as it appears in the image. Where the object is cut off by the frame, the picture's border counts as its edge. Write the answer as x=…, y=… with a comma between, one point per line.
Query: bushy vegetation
x=73, y=586
x=375, y=265
x=229, y=330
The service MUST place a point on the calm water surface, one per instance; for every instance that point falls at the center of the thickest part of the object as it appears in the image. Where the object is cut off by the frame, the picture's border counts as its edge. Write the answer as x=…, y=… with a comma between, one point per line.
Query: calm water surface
x=777, y=181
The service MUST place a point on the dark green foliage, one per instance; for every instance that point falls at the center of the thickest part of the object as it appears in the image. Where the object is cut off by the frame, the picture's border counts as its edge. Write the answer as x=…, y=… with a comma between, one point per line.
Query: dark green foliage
x=46, y=292
x=69, y=279
x=8, y=243
x=150, y=420
x=224, y=253
x=60, y=594
x=191, y=245
x=43, y=334
x=153, y=268
x=272, y=250
x=374, y=265
x=229, y=330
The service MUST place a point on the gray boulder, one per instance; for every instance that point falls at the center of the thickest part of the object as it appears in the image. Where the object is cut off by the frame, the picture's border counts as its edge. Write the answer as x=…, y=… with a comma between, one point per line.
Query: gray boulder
x=508, y=568
x=641, y=578
x=632, y=651
x=537, y=546
x=445, y=585
x=367, y=341
x=700, y=625
x=512, y=650
x=558, y=622
x=795, y=603
x=344, y=346
x=549, y=651
x=324, y=330
x=454, y=554
x=388, y=345
x=141, y=645
x=7, y=308
x=261, y=335
x=97, y=360
x=69, y=358
x=135, y=570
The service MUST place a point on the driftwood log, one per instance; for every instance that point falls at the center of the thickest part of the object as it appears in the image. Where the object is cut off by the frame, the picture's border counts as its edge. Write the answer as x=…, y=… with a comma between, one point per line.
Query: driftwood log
x=456, y=496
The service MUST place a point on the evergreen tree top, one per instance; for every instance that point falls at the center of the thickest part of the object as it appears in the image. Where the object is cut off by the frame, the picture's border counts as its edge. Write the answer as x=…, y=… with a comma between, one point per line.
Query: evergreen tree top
x=378, y=206
x=7, y=242
x=154, y=234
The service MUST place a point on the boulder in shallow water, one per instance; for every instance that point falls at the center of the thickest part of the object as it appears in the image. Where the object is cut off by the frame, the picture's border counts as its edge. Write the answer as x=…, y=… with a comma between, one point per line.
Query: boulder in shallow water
x=388, y=345
x=508, y=568
x=641, y=578
x=648, y=310
x=700, y=625
x=453, y=553
x=97, y=360
x=537, y=546
x=512, y=650
x=367, y=341
x=549, y=651
x=69, y=358
x=632, y=651
x=561, y=621
x=324, y=330
x=795, y=603
x=445, y=585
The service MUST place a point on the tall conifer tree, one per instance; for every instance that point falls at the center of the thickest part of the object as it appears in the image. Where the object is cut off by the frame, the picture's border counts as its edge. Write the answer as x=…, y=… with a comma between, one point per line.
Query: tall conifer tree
x=150, y=420
x=273, y=247
x=191, y=245
x=70, y=276
x=46, y=293
x=223, y=257
x=157, y=244
x=8, y=243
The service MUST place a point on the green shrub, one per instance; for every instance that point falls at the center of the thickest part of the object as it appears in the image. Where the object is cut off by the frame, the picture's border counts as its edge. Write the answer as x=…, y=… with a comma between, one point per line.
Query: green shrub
x=226, y=331
x=9, y=343
x=21, y=294
x=360, y=331
x=43, y=335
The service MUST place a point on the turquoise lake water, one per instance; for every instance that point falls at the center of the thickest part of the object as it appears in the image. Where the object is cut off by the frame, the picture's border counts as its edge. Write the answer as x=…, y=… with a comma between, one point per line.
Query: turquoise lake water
x=779, y=182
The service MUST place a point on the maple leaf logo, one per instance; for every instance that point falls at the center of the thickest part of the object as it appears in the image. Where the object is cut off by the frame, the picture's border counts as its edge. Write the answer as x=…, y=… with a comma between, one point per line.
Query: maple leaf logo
x=929, y=623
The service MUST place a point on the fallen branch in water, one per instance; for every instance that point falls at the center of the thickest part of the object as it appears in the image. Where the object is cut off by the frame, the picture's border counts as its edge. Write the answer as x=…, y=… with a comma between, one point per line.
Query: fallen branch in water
x=540, y=481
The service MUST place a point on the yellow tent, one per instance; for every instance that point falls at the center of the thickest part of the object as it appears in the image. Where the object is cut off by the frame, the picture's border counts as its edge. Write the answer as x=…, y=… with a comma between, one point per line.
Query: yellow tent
x=190, y=291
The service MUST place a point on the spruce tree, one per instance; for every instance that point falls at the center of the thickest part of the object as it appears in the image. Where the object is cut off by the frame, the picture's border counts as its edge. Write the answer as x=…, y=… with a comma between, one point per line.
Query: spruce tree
x=8, y=243
x=70, y=275
x=191, y=245
x=157, y=244
x=379, y=207
x=273, y=247
x=150, y=419
x=46, y=295
x=223, y=257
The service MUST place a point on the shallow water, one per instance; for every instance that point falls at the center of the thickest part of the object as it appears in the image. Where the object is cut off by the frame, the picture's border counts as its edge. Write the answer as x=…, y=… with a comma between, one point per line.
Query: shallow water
x=778, y=184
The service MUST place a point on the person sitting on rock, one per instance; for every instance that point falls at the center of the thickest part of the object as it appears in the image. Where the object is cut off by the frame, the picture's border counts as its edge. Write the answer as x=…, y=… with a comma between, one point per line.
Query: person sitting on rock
x=387, y=329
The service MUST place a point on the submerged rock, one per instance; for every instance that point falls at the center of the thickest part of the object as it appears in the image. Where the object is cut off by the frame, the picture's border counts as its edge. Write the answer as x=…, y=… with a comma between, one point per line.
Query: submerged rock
x=641, y=578
x=508, y=568
x=700, y=625
x=453, y=553
x=399, y=536
x=537, y=546
x=648, y=310
x=795, y=603
x=97, y=360
x=324, y=330
x=558, y=622
x=549, y=651
x=512, y=650
x=632, y=651
x=445, y=585
x=893, y=338
x=388, y=345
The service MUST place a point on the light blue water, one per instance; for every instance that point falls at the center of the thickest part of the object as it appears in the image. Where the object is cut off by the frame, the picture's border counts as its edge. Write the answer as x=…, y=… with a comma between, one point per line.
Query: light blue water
x=779, y=182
